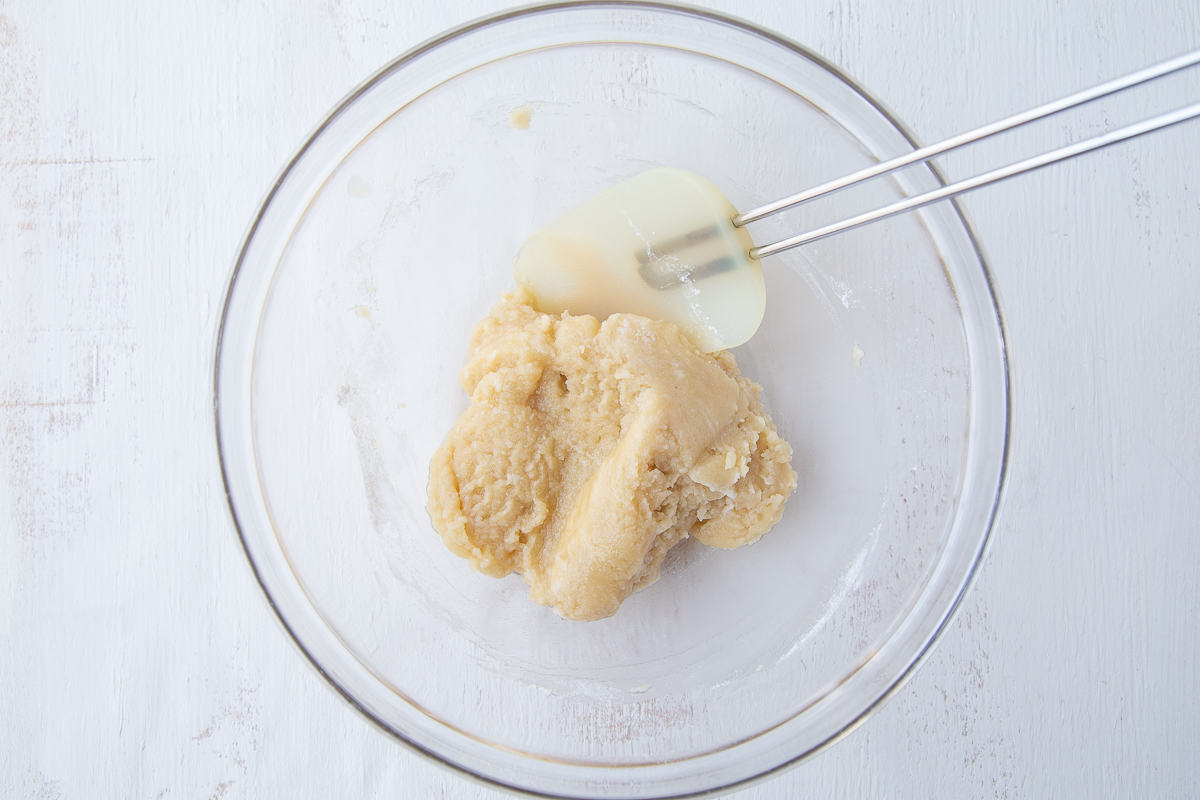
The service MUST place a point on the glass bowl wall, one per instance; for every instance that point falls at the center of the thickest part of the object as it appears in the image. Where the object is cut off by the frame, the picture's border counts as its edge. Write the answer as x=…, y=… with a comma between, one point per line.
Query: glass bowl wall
x=882, y=360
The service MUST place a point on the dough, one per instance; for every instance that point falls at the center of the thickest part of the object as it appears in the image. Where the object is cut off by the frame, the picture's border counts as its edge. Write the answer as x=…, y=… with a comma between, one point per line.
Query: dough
x=589, y=450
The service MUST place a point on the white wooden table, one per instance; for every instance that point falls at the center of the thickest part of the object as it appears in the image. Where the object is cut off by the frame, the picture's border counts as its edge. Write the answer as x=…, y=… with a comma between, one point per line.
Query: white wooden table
x=138, y=658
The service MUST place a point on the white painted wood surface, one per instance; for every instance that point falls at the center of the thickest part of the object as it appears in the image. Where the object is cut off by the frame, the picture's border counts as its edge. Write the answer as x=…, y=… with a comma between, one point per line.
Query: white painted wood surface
x=138, y=657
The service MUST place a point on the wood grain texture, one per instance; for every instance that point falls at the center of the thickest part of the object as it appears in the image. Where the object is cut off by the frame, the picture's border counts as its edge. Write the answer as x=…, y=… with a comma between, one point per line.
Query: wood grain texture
x=138, y=656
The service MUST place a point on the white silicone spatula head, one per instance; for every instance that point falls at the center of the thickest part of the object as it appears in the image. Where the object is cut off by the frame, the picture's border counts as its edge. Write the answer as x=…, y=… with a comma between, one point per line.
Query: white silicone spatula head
x=662, y=245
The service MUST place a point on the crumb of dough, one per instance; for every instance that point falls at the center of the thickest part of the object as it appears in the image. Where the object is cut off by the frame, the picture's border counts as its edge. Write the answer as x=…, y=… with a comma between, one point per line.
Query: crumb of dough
x=591, y=449
x=520, y=118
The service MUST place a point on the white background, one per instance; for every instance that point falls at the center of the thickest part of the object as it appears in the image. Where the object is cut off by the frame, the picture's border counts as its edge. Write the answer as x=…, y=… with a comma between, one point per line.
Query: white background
x=138, y=657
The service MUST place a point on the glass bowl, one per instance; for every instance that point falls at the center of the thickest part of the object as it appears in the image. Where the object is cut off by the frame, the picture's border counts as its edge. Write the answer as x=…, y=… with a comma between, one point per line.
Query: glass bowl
x=392, y=231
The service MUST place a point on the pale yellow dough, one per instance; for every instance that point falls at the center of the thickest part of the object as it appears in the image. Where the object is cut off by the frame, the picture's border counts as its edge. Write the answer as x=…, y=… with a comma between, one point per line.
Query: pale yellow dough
x=589, y=450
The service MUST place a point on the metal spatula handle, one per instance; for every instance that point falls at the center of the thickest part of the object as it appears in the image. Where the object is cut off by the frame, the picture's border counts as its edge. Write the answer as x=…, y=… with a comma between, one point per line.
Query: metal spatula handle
x=925, y=153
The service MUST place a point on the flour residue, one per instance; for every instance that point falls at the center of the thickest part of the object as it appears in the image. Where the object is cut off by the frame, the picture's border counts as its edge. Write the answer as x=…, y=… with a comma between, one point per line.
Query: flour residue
x=357, y=186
